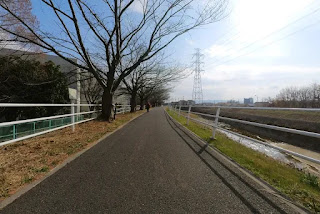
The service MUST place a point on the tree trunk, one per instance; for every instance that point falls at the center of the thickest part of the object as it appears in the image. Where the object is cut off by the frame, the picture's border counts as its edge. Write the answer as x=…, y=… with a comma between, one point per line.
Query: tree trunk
x=141, y=104
x=106, y=105
x=133, y=101
x=91, y=108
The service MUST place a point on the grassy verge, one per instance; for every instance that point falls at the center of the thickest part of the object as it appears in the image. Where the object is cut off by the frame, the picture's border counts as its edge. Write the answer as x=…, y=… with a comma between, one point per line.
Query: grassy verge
x=29, y=160
x=297, y=185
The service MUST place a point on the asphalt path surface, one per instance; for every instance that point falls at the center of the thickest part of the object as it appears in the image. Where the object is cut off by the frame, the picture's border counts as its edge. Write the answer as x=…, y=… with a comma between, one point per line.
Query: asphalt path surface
x=149, y=166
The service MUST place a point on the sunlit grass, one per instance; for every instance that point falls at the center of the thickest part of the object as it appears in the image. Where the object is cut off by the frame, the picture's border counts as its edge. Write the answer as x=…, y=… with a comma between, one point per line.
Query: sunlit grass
x=301, y=187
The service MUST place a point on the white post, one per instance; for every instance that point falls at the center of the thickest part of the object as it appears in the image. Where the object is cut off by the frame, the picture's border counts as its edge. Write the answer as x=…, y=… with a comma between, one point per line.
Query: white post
x=78, y=92
x=215, y=126
x=72, y=117
x=179, y=110
x=189, y=114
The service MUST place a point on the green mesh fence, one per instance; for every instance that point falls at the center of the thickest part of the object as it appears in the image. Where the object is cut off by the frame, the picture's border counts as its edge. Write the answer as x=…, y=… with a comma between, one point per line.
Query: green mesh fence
x=24, y=129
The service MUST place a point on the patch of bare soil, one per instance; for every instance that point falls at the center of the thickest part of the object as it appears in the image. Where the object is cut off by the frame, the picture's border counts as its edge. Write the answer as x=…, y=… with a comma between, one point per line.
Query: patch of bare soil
x=26, y=161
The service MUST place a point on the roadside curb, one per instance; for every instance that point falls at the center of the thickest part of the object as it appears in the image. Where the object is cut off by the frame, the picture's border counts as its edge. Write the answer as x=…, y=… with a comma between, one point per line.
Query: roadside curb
x=28, y=187
x=264, y=185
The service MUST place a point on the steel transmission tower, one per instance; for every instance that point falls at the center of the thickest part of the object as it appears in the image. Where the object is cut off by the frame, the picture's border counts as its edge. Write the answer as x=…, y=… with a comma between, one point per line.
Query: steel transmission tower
x=197, y=95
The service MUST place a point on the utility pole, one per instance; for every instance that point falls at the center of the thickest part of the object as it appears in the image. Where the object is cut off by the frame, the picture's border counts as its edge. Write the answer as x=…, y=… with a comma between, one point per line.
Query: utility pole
x=197, y=95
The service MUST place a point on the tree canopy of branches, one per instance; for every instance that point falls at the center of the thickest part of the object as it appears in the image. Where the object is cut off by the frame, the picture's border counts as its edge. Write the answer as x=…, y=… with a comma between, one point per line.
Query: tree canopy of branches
x=24, y=81
x=103, y=35
x=148, y=93
x=23, y=9
x=91, y=89
x=149, y=76
x=159, y=95
x=304, y=97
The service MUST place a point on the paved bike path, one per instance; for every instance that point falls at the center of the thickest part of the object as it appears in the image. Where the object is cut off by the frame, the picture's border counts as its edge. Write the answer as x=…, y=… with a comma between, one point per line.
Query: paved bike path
x=148, y=166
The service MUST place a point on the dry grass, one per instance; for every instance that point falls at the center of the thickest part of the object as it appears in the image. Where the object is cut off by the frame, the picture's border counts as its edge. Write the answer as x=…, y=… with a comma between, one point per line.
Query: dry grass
x=29, y=160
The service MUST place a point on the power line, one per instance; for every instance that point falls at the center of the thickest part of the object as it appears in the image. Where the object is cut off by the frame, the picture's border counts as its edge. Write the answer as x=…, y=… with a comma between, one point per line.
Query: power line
x=236, y=35
x=270, y=43
x=269, y=35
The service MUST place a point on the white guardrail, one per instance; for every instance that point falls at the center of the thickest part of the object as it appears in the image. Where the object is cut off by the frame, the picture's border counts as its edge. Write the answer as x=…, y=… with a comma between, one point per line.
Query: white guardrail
x=72, y=119
x=121, y=109
x=215, y=127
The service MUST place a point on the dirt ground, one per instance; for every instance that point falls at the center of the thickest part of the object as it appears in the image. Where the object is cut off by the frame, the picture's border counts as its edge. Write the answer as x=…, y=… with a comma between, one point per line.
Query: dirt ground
x=26, y=161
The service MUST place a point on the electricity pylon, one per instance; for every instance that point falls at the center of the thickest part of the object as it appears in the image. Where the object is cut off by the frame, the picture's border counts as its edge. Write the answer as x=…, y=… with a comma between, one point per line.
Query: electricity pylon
x=197, y=95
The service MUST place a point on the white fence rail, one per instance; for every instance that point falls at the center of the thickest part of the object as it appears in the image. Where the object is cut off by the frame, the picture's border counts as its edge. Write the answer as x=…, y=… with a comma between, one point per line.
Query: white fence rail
x=53, y=123
x=121, y=109
x=215, y=127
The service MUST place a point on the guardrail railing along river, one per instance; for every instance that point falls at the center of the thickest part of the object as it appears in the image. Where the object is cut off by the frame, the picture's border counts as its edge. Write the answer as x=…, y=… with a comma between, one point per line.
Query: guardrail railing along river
x=215, y=127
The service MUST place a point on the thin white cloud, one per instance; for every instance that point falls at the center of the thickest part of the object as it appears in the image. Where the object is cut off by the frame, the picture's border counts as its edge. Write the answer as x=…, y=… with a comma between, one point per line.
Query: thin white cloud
x=219, y=51
x=138, y=6
x=190, y=42
x=268, y=69
x=237, y=49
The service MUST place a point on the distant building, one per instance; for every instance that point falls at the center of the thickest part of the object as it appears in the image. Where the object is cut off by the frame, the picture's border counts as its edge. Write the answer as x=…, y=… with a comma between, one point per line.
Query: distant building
x=248, y=101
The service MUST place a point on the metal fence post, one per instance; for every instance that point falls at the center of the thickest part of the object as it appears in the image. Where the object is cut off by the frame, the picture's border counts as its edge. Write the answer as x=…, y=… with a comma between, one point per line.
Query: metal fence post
x=188, y=115
x=34, y=127
x=215, y=126
x=72, y=117
x=14, y=132
x=179, y=110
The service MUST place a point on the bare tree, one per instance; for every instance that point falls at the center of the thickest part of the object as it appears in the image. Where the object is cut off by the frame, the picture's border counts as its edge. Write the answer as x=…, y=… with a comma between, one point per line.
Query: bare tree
x=23, y=9
x=91, y=89
x=150, y=74
x=159, y=95
x=102, y=35
x=145, y=93
x=304, y=97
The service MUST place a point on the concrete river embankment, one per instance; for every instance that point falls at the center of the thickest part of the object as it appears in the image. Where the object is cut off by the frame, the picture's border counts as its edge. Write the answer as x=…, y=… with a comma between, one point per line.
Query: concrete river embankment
x=271, y=152
x=307, y=121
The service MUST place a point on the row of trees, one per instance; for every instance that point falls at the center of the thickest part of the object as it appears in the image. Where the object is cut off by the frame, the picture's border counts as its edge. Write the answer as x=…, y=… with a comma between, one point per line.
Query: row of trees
x=150, y=82
x=293, y=97
x=109, y=39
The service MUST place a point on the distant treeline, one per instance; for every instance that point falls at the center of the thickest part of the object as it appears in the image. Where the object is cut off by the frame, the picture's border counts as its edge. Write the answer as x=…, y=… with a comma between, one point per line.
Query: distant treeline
x=293, y=97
